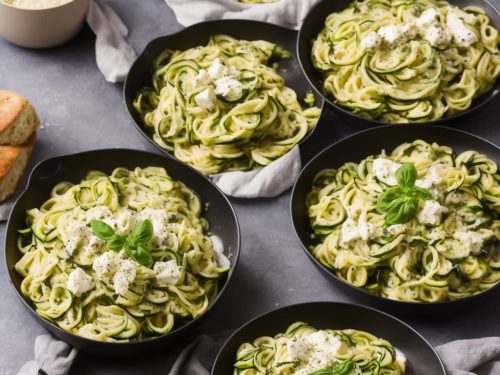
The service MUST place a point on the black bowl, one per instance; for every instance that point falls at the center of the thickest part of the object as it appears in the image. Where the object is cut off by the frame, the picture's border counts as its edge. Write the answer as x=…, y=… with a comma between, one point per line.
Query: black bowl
x=421, y=357
x=314, y=23
x=357, y=147
x=140, y=74
x=73, y=168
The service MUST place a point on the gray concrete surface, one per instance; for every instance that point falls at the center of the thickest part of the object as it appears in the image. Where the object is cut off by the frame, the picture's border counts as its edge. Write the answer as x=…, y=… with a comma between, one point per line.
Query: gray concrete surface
x=80, y=111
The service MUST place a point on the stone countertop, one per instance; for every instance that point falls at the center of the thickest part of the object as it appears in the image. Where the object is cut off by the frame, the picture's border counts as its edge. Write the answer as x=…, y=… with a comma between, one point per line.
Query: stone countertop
x=81, y=111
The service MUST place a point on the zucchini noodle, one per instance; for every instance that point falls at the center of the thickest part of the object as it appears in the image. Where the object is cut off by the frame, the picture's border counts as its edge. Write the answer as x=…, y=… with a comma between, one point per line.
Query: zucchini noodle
x=75, y=282
x=303, y=349
x=407, y=61
x=448, y=250
x=222, y=107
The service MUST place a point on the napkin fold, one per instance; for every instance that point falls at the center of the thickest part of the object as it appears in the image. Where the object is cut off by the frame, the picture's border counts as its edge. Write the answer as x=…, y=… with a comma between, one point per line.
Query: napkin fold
x=287, y=13
x=114, y=56
x=52, y=357
x=471, y=357
x=462, y=357
x=266, y=182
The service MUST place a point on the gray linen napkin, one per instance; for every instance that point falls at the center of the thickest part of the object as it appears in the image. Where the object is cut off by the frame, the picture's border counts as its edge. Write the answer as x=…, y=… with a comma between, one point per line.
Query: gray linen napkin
x=52, y=357
x=471, y=357
x=462, y=357
x=287, y=13
x=114, y=55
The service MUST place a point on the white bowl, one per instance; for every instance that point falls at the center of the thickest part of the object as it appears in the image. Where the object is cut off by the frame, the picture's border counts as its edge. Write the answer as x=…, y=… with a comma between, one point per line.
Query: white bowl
x=42, y=28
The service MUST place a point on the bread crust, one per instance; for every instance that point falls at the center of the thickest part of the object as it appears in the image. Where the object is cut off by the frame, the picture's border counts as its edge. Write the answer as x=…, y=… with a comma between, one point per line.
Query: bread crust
x=13, y=157
x=11, y=106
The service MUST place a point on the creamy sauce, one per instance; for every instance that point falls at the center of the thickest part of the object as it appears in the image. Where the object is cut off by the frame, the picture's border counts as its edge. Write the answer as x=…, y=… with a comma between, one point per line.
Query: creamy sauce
x=36, y=4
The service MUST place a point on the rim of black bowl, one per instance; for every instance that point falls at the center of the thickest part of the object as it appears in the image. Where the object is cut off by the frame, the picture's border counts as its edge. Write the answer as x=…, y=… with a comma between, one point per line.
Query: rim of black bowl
x=477, y=103
x=312, y=303
x=331, y=272
x=236, y=254
x=320, y=101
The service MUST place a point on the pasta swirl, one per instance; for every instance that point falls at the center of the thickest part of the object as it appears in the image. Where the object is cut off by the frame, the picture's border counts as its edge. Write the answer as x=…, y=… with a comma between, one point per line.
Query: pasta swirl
x=77, y=283
x=407, y=61
x=303, y=350
x=221, y=107
x=448, y=250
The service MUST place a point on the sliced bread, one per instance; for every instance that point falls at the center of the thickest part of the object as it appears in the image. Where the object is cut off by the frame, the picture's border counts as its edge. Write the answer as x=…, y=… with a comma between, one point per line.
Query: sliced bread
x=18, y=119
x=13, y=161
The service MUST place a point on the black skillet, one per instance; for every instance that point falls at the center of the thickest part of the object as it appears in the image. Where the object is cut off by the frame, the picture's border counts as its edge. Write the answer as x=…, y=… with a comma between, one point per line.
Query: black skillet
x=421, y=357
x=141, y=72
x=357, y=147
x=220, y=215
x=314, y=23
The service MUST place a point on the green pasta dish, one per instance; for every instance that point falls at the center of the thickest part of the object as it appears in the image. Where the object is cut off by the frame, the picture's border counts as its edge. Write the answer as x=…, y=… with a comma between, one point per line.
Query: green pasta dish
x=407, y=61
x=120, y=257
x=304, y=350
x=223, y=106
x=420, y=224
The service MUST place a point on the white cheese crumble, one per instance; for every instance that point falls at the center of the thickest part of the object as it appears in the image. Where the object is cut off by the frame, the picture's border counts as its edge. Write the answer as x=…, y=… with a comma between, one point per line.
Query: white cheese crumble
x=428, y=18
x=206, y=99
x=106, y=265
x=371, y=41
x=352, y=231
x=394, y=35
x=220, y=257
x=434, y=179
x=167, y=273
x=217, y=69
x=396, y=229
x=437, y=36
x=400, y=356
x=202, y=78
x=473, y=241
x=79, y=282
x=228, y=87
x=431, y=213
x=385, y=171
x=463, y=35
x=124, y=276
x=315, y=351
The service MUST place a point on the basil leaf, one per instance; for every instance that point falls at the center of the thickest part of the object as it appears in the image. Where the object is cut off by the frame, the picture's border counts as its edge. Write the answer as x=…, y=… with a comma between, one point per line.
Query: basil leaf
x=345, y=368
x=116, y=243
x=142, y=256
x=388, y=199
x=403, y=211
x=420, y=193
x=142, y=232
x=102, y=230
x=406, y=175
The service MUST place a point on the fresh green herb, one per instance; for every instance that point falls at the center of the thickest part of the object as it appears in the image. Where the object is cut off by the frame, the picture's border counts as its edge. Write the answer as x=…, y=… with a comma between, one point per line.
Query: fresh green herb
x=400, y=203
x=345, y=368
x=135, y=244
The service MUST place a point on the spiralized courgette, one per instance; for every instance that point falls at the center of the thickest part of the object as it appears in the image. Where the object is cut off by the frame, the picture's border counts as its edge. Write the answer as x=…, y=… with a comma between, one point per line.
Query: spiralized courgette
x=246, y=129
x=115, y=298
x=304, y=350
x=432, y=60
x=448, y=250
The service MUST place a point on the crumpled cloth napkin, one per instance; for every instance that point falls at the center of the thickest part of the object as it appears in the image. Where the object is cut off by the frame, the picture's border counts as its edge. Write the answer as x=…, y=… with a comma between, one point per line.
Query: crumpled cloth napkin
x=266, y=182
x=471, y=357
x=462, y=357
x=52, y=357
x=114, y=56
x=287, y=13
